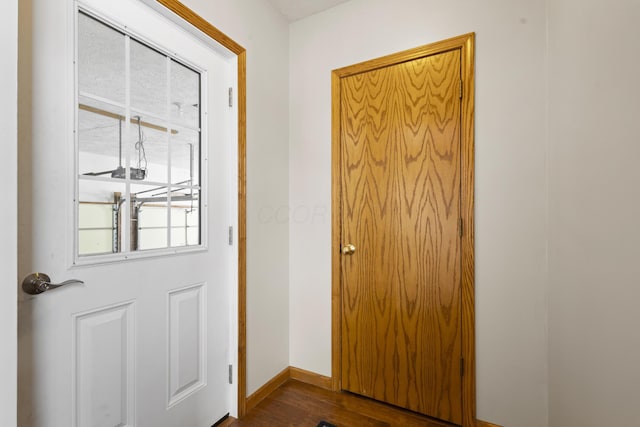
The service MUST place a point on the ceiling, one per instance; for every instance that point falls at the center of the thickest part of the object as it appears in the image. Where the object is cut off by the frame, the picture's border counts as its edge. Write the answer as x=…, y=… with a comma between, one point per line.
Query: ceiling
x=298, y=9
x=101, y=73
x=102, y=132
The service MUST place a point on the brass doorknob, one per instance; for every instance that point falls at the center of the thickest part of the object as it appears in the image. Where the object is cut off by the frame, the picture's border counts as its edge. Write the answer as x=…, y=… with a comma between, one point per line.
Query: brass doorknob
x=348, y=249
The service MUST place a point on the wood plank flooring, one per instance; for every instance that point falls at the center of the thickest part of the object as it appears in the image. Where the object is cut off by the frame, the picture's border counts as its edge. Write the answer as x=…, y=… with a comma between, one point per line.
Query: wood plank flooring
x=303, y=405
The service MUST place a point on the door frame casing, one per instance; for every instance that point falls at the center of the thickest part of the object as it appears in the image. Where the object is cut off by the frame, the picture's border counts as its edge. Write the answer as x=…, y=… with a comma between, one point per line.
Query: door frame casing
x=466, y=44
x=201, y=24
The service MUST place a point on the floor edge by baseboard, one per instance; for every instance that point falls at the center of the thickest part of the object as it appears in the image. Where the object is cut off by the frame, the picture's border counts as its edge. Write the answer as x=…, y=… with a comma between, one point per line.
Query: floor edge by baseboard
x=311, y=378
x=285, y=375
x=307, y=377
x=269, y=387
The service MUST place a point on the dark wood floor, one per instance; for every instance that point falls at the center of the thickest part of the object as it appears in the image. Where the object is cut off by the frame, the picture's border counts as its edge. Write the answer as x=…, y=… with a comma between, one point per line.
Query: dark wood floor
x=303, y=405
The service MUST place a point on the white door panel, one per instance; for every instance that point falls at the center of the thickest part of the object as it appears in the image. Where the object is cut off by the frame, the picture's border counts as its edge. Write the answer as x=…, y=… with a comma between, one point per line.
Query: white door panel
x=145, y=340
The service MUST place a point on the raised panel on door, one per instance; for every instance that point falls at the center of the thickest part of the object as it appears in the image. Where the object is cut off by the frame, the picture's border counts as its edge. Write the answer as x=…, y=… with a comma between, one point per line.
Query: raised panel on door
x=400, y=186
x=186, y=339
x=145, y=340
x=104, y=367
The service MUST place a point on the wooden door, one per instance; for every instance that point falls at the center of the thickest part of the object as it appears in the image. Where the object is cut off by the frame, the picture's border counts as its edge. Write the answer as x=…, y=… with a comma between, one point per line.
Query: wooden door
x=400, y=206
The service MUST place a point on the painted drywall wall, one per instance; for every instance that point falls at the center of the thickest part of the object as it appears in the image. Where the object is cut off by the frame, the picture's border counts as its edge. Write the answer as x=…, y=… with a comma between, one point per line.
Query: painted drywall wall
x=8, y=219
x=594, y=210
x=264, y=33
x=511, y=288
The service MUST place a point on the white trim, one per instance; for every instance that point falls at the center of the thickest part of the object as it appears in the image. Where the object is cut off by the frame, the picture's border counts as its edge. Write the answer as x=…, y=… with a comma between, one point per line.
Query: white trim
x=126, y=229
x=190, y=29
x=233, y=215
x=169, y=156
x=130, y=308
x=126, y=253
x=138, y=36
x=232, y=60
x=179, y=397
x=94, y=260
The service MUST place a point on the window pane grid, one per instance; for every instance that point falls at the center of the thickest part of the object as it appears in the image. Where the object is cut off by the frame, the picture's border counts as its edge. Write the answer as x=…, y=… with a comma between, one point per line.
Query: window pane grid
x=149, y=136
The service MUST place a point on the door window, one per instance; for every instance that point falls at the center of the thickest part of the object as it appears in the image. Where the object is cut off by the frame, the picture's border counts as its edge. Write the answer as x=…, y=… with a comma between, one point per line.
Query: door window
x=138, y=149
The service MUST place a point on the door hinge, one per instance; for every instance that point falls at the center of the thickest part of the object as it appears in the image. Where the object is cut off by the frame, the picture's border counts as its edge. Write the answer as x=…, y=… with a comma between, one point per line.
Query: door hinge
x=460, y=227
x=230, y=97
x=462, y=367
x=230, y=374
x=231, y=236
x=460, y=92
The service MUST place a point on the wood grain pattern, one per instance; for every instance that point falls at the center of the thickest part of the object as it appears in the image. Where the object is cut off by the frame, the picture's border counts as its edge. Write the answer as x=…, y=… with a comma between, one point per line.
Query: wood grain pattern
x=467, y=203
x=336, y=236
x=311, y=378
x=462, y=43
x=298, y=404
x=281, y=405
x=242, y=233
x=226, y=423
x=203, y=25
x=285, y=375
x=401, y=328
x=272, y=385
x=465, y=44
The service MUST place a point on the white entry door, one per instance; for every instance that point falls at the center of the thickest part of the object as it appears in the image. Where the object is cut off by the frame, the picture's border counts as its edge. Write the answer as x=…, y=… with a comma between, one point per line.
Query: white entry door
x=124, y=172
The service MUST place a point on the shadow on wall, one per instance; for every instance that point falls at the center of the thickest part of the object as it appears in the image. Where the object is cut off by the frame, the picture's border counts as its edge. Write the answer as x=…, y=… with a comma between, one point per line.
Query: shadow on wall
x=300, y=214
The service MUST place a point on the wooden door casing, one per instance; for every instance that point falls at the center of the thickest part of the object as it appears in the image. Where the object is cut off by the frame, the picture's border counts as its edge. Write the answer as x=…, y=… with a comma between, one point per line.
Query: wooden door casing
x=179, y=9
x=402, y=190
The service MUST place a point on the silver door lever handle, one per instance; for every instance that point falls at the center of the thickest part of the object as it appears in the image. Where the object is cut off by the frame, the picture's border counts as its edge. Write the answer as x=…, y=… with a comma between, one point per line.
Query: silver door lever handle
x=37, y=283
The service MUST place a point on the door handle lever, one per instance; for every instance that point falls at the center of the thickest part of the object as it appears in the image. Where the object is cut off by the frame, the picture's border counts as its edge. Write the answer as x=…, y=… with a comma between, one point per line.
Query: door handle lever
x=37, y=283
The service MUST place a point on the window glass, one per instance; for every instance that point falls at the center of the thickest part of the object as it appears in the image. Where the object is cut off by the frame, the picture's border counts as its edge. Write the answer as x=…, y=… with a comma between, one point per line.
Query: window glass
x=100, y=211
x=101, y=60
x=101, y=130
x=152, y=226
x=185, y=218
x=149, y=148
x=138, y=157
x=185, y=96
x=185, y=157
x=149, y=85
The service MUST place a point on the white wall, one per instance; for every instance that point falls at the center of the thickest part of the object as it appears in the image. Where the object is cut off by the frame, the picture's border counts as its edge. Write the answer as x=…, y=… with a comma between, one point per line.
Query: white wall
x=511, y=288
x=593, y=207
x=259, y=28
x=8, y=219
x=594, y=213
